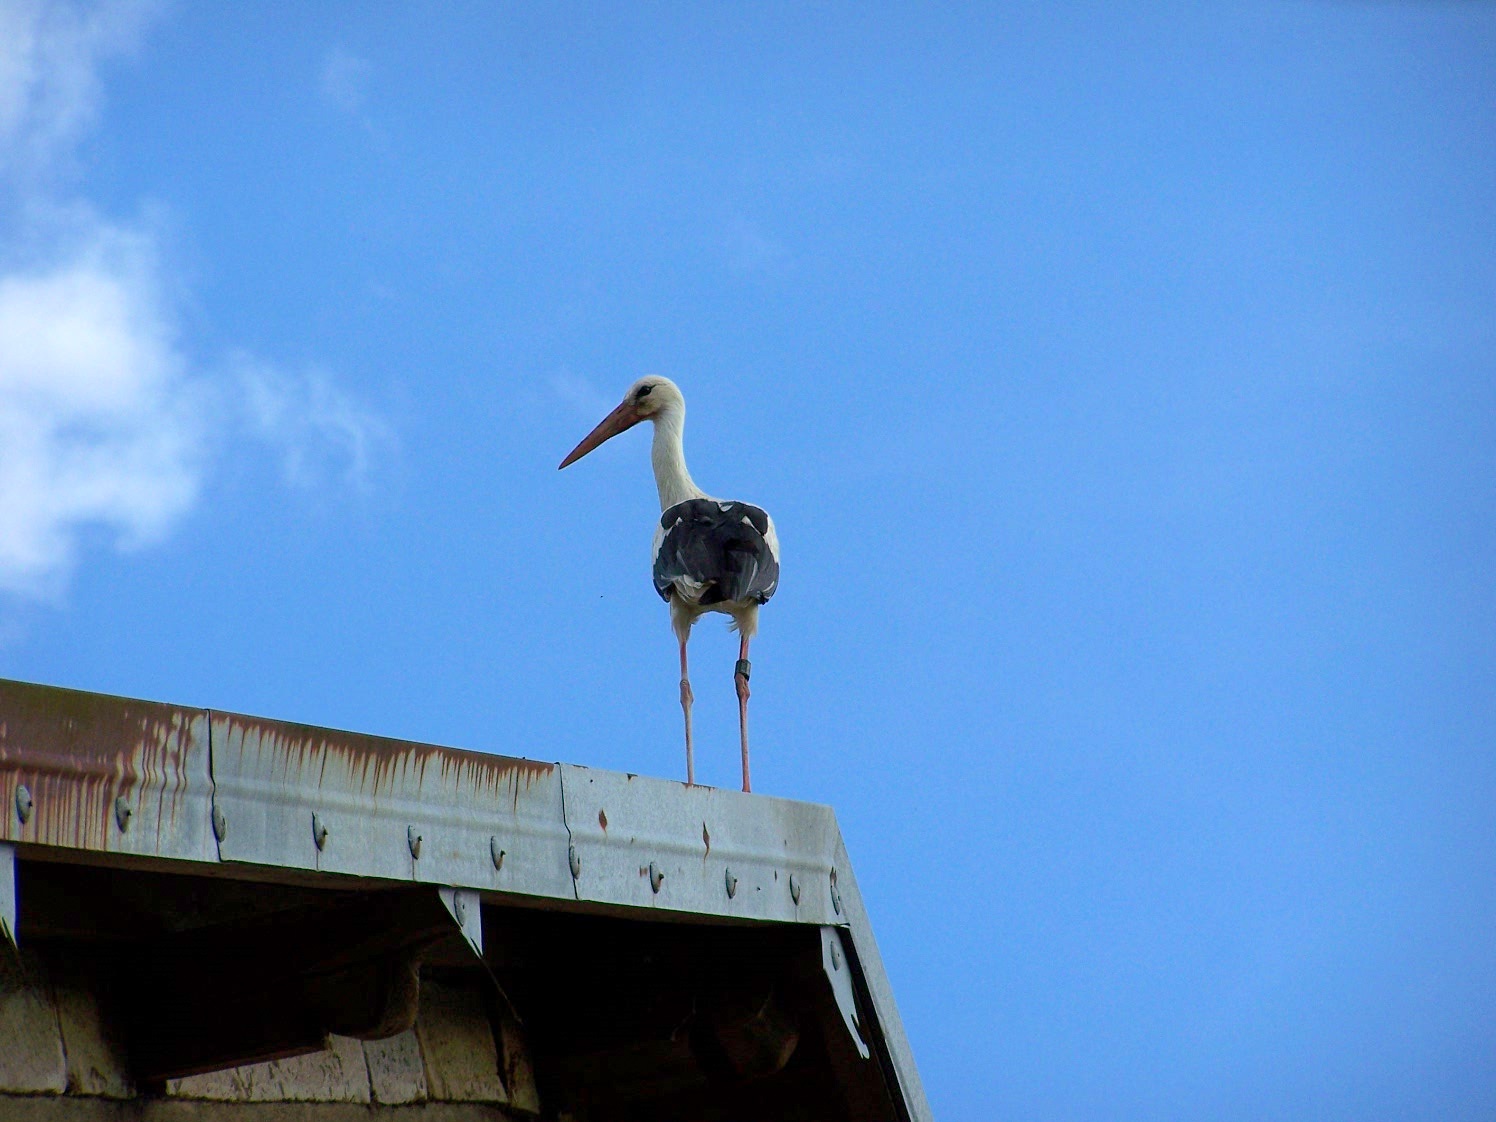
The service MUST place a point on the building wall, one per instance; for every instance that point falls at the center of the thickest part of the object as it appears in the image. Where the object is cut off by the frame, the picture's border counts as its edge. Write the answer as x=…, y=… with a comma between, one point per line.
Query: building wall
x=57, y=1062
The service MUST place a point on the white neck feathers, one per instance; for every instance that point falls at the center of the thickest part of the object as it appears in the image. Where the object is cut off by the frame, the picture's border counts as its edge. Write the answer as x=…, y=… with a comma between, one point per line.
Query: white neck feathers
x=669, y=458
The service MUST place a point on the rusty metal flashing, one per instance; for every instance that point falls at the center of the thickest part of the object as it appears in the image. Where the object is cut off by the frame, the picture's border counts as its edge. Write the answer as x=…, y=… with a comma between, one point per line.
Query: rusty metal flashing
x=99, y=775
x=298, y=797
x=104, y=774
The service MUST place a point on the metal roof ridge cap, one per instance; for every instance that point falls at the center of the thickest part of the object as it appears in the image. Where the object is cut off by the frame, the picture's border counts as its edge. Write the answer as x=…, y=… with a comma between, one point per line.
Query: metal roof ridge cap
x=100, y=695
x=105, y=773
x=712, y=850
x=727, y=792
x=405, y=742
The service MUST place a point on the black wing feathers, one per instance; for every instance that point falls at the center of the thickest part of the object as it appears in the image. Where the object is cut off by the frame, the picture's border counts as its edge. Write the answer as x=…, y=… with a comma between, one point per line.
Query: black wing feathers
x=718, y=544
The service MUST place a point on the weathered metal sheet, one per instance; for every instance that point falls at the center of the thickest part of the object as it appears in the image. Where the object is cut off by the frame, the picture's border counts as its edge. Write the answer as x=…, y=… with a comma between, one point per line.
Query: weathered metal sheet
x=838, y=972
x=656, y=843
x=311, y=798
x=108, y=774
x=465, y=907
x=889, y=1027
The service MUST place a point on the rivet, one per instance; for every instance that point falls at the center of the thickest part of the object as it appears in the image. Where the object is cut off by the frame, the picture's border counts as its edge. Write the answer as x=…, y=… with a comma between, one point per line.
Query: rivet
x=574, y=861
x=835, y=895
x=122, y=813
x=220, y=824
x=319, y=832
x=656, y=878
x=795, y=889
x=495, y=854
x=23, y=803
x=413, y=840
x=732, y=885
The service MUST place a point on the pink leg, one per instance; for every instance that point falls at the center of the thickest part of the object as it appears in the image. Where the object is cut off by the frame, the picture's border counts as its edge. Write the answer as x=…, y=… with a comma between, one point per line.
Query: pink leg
x=685, y=703
x=740, y=678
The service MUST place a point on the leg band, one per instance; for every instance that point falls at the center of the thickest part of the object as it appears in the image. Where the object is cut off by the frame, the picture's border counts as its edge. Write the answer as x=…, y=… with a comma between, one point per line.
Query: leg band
x=743, y=667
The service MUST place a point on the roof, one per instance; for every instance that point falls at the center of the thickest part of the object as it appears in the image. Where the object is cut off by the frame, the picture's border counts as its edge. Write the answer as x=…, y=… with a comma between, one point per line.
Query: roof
x=522, y=857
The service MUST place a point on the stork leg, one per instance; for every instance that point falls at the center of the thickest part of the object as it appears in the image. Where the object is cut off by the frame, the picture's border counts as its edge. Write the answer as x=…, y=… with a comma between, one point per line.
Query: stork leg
x=740, y=678
x=685, y=703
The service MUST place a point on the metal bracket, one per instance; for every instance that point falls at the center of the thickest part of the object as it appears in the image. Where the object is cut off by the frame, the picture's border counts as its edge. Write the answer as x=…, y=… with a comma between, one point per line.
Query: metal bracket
x=839, y=974
x=8, y=894
x=464, y=905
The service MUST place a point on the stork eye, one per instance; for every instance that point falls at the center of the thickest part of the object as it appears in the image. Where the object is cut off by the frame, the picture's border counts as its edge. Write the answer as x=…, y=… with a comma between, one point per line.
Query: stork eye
x=643, y=393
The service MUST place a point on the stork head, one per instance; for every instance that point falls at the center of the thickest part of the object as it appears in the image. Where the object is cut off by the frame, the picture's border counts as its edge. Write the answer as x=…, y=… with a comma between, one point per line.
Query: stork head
x=647, y=399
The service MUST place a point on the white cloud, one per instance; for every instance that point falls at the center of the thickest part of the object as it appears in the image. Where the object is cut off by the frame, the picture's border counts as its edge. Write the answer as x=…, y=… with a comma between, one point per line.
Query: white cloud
x=99, y=423
x=49, y=86
x=344, y=84
x=345, y=79
x=104, y=421
x=319, y=430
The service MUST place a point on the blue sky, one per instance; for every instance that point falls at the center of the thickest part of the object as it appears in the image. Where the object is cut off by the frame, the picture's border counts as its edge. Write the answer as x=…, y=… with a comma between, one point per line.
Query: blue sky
x=1122, y=380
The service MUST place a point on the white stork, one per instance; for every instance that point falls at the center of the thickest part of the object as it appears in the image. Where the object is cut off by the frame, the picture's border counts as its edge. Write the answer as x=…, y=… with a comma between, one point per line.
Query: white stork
x=710, y=555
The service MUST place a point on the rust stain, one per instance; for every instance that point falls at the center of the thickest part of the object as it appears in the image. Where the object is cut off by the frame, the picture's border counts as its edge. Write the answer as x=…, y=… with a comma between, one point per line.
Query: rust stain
x=372, y=766
x=706, y=838
x=602, y=820
x=78, y=751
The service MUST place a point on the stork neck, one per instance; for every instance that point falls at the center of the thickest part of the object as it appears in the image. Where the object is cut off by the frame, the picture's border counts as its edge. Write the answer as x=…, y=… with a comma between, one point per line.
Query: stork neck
x=669, y=459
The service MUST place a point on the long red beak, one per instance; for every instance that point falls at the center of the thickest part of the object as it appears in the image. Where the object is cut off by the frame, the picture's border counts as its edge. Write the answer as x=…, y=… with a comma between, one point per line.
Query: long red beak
x=624, y=417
